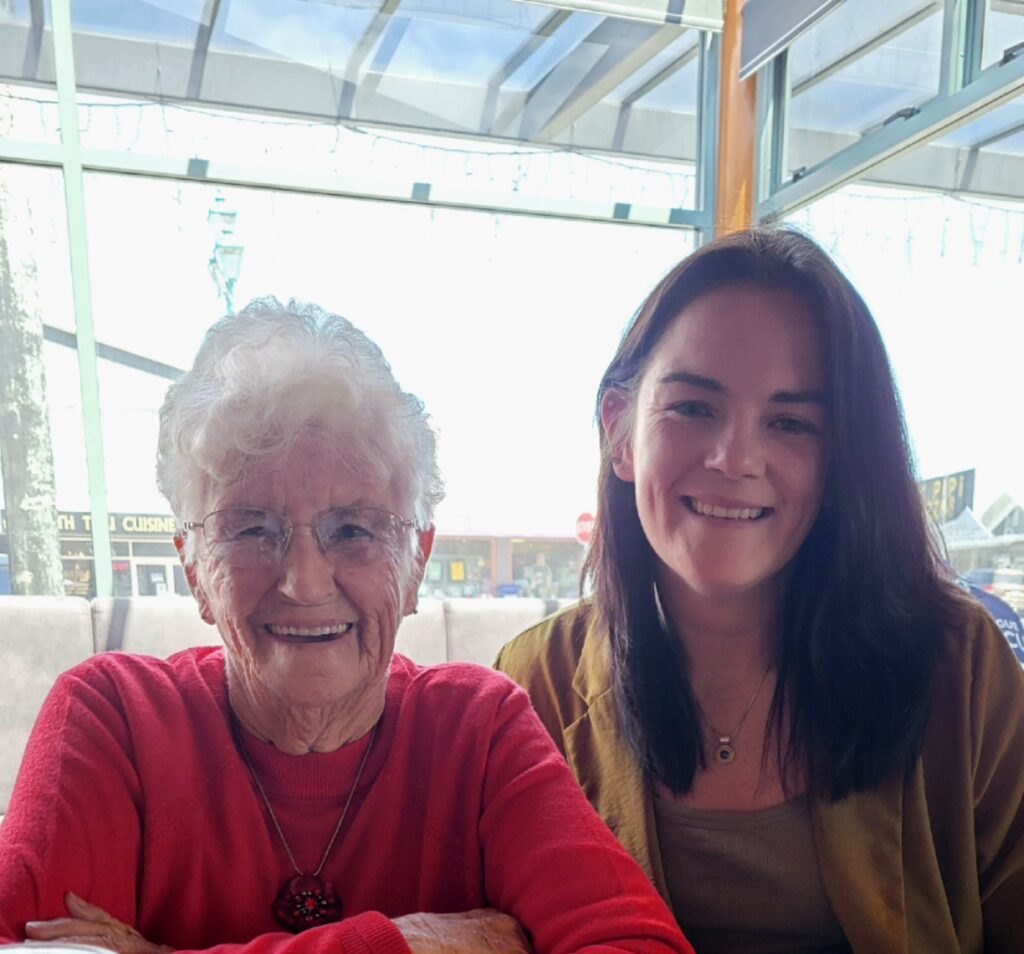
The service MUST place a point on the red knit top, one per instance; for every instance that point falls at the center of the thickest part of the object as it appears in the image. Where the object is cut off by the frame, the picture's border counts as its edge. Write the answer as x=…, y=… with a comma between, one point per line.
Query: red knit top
x=133, y=795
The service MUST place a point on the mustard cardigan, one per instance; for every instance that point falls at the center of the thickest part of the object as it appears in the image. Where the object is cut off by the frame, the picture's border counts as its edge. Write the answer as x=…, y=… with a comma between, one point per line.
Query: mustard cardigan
x=925, y=864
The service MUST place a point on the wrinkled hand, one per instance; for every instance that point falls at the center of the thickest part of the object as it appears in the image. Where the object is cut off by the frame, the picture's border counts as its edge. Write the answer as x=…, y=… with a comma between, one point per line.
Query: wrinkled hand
x=90, y=924
x=468, y=932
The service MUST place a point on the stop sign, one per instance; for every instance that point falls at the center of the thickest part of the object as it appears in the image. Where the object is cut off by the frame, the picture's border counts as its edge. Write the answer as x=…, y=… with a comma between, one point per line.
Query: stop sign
x=584, y=527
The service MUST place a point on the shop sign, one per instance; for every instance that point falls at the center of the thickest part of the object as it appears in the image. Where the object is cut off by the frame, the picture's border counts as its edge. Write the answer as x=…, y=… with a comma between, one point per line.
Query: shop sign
x=77, y=523
x=945, y=498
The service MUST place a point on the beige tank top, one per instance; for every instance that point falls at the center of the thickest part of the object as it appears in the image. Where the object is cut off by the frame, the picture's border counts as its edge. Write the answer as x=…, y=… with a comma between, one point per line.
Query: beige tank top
x=747, y=882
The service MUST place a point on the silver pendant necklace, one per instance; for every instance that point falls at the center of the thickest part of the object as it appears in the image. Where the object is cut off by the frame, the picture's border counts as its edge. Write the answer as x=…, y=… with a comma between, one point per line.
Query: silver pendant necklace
x=725, y=752
x=305, y=900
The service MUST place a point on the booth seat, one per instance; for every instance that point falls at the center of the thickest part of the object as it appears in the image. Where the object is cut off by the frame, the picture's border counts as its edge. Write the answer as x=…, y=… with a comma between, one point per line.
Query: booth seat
x=42, y=636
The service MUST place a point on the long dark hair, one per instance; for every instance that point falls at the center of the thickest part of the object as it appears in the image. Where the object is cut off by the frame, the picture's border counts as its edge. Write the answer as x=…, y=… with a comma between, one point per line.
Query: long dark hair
x=867, y=602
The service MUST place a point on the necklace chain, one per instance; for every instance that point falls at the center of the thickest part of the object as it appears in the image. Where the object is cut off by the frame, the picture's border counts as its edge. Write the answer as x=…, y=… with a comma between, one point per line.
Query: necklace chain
x=727, y=741
x=270, y=808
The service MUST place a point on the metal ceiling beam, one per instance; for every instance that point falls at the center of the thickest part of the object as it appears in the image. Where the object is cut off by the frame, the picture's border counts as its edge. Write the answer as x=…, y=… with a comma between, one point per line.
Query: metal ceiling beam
x=34, y=46
x=569, y=64
x=530, y=46
x=688, y=56
x=208, y=20
x=389, y=44
x=709, y=72
x=962, y=36
x=367, y=41
x=129, y=359
x=936, y=167
x=627, y=46
x=255, y=83
x=327, y=184
x=614, y=68
x=699, y=14
x=666, y=72
x=996, y=85
x=869, y=47
x=772, y=124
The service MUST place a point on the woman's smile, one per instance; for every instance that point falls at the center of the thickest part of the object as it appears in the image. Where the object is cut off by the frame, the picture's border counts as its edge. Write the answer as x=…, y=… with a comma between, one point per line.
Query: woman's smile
x=729, y=511
x=305, y=634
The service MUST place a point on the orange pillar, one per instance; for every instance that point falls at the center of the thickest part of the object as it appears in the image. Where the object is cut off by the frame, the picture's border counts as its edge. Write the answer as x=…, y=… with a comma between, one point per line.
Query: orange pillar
x=736, y=131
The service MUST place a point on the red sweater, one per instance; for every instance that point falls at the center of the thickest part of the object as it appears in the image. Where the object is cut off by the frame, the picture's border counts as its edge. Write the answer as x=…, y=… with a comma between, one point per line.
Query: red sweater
x=133, y=795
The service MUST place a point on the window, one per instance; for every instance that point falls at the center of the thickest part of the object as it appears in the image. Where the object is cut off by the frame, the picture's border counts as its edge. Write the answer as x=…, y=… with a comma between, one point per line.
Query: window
x=942, y=273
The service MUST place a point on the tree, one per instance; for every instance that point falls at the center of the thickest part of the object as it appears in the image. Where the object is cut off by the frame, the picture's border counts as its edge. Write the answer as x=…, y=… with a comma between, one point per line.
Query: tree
x=26, y=447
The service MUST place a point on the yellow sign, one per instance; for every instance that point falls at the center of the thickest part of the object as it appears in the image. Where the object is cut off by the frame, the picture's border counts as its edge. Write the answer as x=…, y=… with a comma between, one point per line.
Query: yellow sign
x=945, y=498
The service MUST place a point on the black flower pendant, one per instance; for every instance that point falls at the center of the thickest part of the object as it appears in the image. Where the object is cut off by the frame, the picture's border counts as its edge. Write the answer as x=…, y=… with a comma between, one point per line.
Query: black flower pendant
x=306, y=901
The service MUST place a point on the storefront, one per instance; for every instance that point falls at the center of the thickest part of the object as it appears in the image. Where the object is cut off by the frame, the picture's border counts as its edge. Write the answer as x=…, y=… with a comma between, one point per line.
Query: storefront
x=144, y=563
x=546, y=568
x=460, y=567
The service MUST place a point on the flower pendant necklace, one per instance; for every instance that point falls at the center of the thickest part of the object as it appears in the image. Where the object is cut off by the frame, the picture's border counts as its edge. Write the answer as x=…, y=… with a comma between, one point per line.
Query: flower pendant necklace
x=305, y=900
x=725, y=752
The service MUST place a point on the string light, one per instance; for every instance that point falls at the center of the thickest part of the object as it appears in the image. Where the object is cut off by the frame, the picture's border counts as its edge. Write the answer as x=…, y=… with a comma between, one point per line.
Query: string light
x=515, y=168
x=994, y=228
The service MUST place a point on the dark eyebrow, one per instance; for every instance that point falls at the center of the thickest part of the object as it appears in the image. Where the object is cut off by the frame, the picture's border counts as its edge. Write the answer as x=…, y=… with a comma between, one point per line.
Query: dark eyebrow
x=711, y=384
x=698, y=381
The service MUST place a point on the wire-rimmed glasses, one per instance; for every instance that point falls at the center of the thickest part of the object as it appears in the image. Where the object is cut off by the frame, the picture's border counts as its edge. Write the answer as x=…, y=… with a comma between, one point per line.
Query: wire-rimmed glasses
x=250, y=537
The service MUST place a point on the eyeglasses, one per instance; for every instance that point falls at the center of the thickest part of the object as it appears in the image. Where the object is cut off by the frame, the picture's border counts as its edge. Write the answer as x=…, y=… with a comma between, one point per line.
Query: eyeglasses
x=352, y=536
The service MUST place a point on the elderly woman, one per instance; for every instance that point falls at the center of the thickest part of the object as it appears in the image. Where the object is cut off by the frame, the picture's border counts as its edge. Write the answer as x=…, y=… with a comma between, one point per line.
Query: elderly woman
x=774, y=683
x=304, y=776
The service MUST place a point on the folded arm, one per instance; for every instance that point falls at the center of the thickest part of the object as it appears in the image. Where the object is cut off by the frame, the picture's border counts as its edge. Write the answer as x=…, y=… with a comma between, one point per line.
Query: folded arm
x=482, y=931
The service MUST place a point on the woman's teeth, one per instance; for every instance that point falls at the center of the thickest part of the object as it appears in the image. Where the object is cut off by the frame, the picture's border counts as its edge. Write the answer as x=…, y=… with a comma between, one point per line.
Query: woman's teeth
x=707, y=510
x=334, y=630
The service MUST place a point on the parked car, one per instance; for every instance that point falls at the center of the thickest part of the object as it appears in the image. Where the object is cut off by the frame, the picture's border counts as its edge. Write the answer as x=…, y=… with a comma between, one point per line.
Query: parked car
x=1004, y=582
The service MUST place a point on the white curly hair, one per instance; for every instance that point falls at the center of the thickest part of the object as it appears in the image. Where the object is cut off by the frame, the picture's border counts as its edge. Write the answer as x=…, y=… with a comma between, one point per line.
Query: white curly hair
x=271, y=373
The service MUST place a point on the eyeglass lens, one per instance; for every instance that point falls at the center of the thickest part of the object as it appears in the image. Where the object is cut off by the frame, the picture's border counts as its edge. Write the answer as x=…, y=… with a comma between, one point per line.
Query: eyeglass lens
x=247, y=537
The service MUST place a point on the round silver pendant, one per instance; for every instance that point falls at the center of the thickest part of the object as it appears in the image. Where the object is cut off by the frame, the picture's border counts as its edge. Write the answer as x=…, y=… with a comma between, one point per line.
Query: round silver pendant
x=725, y=753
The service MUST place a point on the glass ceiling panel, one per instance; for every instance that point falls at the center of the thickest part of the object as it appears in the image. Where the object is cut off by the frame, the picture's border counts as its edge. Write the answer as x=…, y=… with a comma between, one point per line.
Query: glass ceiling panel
x=162, y=20
x=483, y=45
x=984, y=158
x=556, y=47
x=312, y=34
x=655, y=105
x=28, y=113
x=855, y=69
x=20, y=12
x=678, y=92
x=498, y=69
x=1004, y=27
x=849, y=32
x=676, y=54
x=1001, y=131
x=424, y=46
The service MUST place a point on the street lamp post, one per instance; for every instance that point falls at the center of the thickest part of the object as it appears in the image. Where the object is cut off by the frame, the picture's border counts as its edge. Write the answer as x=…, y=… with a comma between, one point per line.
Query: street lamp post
x=226, y=258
